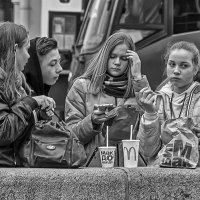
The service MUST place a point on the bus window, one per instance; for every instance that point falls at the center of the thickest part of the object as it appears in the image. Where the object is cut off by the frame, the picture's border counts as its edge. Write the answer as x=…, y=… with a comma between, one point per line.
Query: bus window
x=97, y=22
x=140, y=12
x=138, y=35
x=140, y=16
x=186, y=16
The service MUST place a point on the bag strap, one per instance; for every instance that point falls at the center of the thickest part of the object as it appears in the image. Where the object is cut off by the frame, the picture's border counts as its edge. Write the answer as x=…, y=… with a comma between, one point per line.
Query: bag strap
x=91, y=157
x=59, y=118
x=190, y=101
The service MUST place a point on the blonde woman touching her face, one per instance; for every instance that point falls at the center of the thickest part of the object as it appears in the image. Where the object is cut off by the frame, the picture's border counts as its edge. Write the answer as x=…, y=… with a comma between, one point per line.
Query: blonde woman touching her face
x=113, y=76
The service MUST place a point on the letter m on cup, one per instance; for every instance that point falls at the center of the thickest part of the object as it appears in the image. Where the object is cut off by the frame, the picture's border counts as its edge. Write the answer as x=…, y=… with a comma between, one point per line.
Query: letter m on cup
x=128, y=151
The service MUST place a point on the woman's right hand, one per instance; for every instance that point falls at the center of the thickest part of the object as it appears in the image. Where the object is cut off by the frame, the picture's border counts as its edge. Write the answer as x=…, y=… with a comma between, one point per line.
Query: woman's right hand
x=46, y=103
x=98, y=116
x=147, y=98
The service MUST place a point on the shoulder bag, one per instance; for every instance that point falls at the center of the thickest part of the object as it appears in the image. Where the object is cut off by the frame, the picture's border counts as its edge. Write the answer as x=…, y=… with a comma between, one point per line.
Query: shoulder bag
x=51, y=144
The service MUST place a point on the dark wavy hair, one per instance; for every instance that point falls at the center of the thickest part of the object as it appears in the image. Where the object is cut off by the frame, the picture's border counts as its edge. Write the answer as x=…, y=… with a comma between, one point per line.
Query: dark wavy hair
x=44, y=45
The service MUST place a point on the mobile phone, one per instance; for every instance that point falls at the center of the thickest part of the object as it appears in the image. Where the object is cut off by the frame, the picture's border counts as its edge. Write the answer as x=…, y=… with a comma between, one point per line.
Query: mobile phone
x=104, y=107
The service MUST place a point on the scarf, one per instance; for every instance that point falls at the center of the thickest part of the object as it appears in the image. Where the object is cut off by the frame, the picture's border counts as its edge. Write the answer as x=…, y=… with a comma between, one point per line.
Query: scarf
x=115, y=86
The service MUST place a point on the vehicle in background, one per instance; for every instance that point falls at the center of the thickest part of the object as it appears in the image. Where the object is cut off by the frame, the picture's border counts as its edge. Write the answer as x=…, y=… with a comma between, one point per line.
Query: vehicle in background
x=153, y=24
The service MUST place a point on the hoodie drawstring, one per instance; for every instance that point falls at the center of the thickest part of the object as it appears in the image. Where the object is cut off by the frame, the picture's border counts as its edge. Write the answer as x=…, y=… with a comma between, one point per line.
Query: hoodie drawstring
x=171, y=107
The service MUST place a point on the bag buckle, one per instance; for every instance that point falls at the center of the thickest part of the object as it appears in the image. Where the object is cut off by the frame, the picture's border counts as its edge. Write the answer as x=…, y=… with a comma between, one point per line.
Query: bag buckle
x=50, y=147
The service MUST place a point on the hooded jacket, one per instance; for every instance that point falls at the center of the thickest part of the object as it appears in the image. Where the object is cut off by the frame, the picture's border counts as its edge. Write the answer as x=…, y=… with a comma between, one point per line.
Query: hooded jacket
x=15, y=120
x=33, y=73
x=170, y=106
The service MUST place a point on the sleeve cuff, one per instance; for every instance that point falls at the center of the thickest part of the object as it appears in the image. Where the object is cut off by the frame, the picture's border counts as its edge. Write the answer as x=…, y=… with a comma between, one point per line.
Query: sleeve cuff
x=31, y=102
x=150, y=116
x=96, y=127
x=138, y=84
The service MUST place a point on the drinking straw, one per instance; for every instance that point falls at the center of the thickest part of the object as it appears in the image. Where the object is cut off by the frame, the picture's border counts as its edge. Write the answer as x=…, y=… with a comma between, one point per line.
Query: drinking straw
x=131, y=135
x=107, y=136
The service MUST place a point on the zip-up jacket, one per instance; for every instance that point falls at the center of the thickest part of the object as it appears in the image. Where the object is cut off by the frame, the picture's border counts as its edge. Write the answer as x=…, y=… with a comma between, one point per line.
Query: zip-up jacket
x=15, y=119
x=79, y=105
x=170, y=106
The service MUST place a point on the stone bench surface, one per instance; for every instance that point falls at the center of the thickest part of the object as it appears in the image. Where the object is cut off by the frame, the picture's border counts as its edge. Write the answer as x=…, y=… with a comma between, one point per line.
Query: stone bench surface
x=99, y=184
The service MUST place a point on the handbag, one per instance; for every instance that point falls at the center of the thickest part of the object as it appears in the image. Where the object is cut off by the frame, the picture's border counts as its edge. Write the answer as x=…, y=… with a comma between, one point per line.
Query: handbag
x=51, y=144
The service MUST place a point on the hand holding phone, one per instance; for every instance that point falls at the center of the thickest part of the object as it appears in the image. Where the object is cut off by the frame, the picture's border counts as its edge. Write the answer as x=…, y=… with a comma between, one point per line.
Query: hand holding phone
x=99, y=114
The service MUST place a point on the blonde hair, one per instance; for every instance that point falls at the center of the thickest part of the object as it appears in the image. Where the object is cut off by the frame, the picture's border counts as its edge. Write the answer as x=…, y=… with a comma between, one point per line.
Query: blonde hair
x=97, y=68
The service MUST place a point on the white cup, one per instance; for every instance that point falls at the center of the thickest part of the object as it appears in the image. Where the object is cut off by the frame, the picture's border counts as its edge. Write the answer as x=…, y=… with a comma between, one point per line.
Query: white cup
x=107, y=155
x=130, y=152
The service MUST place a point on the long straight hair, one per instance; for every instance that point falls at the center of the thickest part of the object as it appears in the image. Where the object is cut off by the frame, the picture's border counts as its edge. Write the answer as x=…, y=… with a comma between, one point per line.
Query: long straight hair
x=97, y=68
x=10, y=34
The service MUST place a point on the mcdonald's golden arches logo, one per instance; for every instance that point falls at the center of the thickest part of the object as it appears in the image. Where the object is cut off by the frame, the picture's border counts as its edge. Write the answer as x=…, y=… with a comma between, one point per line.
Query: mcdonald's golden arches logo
x=128, y=151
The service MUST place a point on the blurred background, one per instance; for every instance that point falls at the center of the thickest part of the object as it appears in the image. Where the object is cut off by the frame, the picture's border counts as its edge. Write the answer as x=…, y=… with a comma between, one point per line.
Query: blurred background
x=82, y=26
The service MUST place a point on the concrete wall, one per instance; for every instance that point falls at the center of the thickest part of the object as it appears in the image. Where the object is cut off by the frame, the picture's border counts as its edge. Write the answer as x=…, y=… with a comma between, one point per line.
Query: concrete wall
x=100, y=184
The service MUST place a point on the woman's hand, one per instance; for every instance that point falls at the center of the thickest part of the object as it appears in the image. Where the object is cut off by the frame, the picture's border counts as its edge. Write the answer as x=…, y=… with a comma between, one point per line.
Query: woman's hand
x=135, y=64
x=147, y=98
x=50, y=113
x=46, y=103
x=98, y=116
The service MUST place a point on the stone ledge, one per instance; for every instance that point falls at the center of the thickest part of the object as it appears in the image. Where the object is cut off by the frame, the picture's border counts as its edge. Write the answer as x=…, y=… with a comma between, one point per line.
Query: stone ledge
x=163, y=183
x=62, y=184
x=99, y=184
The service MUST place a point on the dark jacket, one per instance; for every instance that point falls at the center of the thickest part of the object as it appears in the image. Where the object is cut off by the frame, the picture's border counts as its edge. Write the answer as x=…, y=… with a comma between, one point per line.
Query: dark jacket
x=33, y=73
x=15, y=119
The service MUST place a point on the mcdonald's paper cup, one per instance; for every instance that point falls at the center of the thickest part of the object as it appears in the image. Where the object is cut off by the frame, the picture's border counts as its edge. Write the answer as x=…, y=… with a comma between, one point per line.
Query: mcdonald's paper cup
x=130, y=151
x=107, y=155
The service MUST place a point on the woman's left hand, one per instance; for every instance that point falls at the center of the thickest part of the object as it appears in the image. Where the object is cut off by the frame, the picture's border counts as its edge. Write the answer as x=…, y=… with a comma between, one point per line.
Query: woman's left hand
x=135, y=64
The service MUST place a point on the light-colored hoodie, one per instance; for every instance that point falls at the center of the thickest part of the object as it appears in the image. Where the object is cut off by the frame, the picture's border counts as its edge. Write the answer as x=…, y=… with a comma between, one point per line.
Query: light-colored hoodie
x=170, y=105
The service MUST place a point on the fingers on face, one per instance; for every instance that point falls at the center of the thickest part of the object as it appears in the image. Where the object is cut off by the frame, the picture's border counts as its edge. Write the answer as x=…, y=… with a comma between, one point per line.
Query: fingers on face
x=132, y=55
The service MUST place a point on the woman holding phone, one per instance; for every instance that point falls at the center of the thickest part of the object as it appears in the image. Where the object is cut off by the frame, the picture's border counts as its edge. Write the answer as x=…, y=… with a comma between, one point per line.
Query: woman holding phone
x=112, y=77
